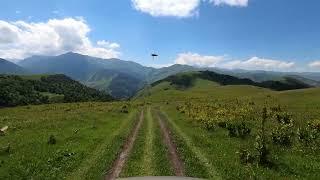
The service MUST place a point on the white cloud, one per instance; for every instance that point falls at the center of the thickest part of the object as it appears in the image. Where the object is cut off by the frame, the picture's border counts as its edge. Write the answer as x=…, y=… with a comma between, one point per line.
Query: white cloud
x=18, y=12
x=178, y=8
x=256, y=63
x=315, y=64
x=241, y=3
x=195, y=59
x=21, y=39
x=108, y=44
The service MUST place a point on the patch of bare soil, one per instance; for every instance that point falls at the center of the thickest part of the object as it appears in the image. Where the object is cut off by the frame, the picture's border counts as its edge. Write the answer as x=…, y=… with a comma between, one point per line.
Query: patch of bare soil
x=123, y=156
x=175, y=160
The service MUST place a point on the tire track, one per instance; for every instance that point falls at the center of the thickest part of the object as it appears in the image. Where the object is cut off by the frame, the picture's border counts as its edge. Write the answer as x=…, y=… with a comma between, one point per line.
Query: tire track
x=123, y=156
x=148, y=150
x=175, y=160
x=198, y=153
x=84, y=167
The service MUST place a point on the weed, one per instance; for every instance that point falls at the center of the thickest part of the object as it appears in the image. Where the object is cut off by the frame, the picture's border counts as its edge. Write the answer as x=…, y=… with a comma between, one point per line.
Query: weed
x=52, y=140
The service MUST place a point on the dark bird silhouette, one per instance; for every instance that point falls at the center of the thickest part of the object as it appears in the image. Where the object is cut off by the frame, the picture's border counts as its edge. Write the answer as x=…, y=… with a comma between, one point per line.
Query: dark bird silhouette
x=154, y=55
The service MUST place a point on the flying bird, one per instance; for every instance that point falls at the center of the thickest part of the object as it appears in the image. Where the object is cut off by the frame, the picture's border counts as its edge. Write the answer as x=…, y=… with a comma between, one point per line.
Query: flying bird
x=154, y=55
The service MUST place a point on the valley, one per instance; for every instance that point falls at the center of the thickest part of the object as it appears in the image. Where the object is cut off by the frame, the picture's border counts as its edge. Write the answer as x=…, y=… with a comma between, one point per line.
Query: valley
x=159, y=90
x=204, y=130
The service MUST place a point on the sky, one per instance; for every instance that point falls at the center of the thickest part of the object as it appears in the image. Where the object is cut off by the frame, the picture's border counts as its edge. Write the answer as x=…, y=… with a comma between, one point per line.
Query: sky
x=276, y=35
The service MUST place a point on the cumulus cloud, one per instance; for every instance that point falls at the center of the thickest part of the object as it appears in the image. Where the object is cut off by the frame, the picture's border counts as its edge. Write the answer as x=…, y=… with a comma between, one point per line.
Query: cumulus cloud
x=178, y=8
x=315, y=64
x=21, y=39
x=195, y=59
x=256, y=63
x=241, y=3
x=108, y=44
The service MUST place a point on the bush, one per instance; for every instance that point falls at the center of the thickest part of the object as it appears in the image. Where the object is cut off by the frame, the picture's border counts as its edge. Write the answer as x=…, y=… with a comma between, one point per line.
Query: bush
x=246, y=156
x=310, y=135
x=124, y=109
x=222, y=124
x=283, y=133
x=238, y=130
x=52, y=140
x=261, y=142
x=263, y=152
x=282, y=136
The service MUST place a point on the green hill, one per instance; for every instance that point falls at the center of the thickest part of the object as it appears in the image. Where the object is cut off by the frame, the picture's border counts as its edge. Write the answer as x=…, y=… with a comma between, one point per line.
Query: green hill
x=122, y=79
x=119, y=85
x=186, y=80
x=42, y=89
x=211, y=84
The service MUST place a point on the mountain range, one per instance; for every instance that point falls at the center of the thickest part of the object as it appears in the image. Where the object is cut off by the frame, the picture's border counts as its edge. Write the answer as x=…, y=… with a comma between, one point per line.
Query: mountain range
x=123, y=79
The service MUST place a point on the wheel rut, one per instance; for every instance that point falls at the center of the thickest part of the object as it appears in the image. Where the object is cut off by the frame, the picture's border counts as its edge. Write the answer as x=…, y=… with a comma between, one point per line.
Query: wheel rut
x=175, y=160
x=123, y=156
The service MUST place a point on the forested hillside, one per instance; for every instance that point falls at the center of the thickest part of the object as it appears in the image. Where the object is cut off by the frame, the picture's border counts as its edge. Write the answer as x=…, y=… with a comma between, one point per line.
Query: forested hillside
x=24, y=90
x=186, y=80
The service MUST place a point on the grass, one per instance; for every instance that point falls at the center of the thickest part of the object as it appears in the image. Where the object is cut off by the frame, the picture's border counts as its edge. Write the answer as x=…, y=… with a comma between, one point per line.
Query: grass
x=207, y=152
x=203, y=89
x=34, y=77
x=148, y=157
x=88, y=137
x=212, y=154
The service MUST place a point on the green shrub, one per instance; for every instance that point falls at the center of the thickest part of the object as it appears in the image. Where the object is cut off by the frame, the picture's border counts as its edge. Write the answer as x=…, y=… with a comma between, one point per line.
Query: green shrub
x=52, y=140
x=310, y=135
x=283, y=132
x=238, y=129
x=246, y=157
x=282, y=135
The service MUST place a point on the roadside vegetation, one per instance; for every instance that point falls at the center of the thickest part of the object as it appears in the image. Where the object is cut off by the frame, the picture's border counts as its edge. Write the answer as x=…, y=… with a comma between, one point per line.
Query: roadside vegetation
x=242, y=132
x=58, y=141
x=211, y=130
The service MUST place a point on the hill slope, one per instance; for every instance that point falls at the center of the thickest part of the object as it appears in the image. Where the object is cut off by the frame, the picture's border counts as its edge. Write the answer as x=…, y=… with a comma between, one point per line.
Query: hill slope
x=122, y=79
x=23, y=90
x=7, y=67
x=119, y=85
x=207, y=83
x=126, y=77
x=186, y=80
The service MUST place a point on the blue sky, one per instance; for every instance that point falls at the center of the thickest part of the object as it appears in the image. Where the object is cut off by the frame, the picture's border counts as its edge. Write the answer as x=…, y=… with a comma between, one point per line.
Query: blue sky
x=251, y=34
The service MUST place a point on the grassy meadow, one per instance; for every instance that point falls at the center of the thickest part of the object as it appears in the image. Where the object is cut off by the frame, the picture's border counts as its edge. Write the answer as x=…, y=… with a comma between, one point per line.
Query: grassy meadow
x=85, y=140
x=220, y=132
x=207, y=119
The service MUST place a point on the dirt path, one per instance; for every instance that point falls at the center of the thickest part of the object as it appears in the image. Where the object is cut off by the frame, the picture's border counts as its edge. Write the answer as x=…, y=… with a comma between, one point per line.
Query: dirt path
x=175, y=160
x=123, y=156
x=148, y=150
x=198, y=153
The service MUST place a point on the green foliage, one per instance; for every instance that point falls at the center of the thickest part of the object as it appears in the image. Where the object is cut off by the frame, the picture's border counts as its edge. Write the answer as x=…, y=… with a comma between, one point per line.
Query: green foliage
x=283, y=133
x=310, y=135
x=238, y=129
x=52, y=140
x=246, y=157
x=186, y=80
x=80, y=152
x=261, y=141
x=15, y=90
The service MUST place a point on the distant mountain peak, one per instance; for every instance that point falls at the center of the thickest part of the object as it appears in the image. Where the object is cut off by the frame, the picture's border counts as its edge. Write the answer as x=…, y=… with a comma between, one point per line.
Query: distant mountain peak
x=8, y=67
